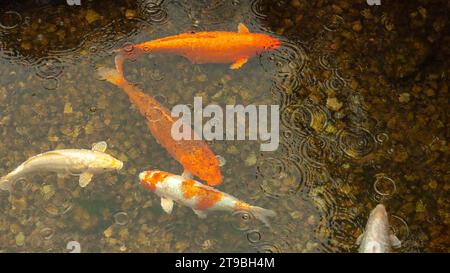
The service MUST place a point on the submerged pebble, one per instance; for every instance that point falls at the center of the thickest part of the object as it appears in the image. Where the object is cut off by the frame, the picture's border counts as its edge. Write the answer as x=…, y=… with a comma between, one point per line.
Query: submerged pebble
x=20, y=239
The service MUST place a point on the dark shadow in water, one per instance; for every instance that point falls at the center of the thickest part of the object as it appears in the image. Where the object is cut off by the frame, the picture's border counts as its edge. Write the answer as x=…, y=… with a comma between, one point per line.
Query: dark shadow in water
x=35, y=30
x=382, y=73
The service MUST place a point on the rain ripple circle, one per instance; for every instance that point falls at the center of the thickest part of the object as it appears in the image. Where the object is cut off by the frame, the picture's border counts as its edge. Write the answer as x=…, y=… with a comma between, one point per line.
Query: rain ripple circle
x=356, y=142
x=10, y=20
x=258, y=9
x=49, y=67
x=153, y=12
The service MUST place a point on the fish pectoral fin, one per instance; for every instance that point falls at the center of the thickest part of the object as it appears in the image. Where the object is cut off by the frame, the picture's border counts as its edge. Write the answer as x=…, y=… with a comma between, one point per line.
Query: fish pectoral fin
x=239, y=63
x=187, y=175
x=395, y=242
x=242, y=28
x=358, y=241
x=200, y=213
x=85, y=179
x=99, y=146
x=167, y=205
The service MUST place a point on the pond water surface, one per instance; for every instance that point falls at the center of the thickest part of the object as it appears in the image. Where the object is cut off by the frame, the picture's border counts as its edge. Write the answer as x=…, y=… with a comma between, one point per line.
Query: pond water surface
x=363, y=96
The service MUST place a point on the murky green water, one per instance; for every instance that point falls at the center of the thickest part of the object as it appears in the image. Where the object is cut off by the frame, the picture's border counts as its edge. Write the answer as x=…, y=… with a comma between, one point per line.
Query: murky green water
x=363, y=93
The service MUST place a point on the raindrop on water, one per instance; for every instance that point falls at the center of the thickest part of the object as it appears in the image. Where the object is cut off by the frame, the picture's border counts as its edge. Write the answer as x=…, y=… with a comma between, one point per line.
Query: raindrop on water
x=121, y=218
x=49, y=67
x=254, y=236
x=333, y=22
x=128, y=47
x=153, y=12
x=268, y=247
x=93, y=49
x=161, y=99
x=384, y=185
x=222, y=160
x=399, y=227
x=382, y=137
x=47, y=233
x=356, y=142
x=156, y=75
x=154, y=114
x=50, y=83
x=242, y=220
x=258, y=9
x=10, y=20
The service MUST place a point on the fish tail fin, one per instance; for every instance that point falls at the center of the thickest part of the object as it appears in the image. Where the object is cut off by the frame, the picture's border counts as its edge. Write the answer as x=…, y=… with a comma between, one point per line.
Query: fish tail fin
x=263, y=214
x=6, y=183
x=119, y=60
x=111, y=75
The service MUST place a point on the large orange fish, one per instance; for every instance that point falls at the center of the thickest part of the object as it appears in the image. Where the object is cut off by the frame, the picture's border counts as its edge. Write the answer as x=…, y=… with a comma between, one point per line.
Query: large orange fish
x=205, y=47
x=194, y=155
x=200, y=198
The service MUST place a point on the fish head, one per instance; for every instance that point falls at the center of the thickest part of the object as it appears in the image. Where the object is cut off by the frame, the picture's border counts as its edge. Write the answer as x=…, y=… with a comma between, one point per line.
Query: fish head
x=378, y=224
x=105, y=163
x=266, y=43
x=145, y=176
x=378, y=220
x=379, y=212
x=376, y=234
x=130, y=51
x=149, y=179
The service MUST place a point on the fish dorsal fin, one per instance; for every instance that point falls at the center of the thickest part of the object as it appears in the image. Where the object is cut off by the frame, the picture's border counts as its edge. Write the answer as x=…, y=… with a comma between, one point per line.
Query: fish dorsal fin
x=242, y=28
x=167, y=205
x=99, y=146
x=85, y=179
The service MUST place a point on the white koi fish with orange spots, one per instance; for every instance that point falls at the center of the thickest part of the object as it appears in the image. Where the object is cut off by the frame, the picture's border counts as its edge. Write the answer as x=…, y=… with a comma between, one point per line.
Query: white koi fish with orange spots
x=201, y=198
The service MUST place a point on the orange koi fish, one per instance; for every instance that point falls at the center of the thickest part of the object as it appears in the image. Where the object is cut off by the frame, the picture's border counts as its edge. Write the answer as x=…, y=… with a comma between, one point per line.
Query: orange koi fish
x=194, y=155
x=200, y=198
x=205, y=47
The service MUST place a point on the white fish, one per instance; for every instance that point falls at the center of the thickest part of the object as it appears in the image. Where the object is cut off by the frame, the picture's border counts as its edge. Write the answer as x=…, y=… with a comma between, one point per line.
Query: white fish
x=80, y=162
x=201, y=198
x=377, y=237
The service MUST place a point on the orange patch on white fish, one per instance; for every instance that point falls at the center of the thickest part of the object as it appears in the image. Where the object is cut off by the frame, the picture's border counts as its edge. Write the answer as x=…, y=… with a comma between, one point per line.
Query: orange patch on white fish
x=200, y=198
x=206, y=197
x=242, y=206
x=151, y=179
